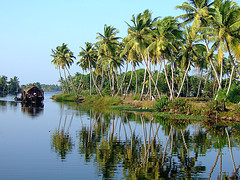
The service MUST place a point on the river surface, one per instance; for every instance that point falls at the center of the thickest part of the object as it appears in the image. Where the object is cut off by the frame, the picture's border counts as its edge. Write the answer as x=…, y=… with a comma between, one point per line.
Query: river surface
x=66, y=141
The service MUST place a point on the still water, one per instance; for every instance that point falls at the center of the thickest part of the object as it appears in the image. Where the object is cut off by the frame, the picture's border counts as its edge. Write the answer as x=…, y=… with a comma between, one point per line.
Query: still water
x=62, y=141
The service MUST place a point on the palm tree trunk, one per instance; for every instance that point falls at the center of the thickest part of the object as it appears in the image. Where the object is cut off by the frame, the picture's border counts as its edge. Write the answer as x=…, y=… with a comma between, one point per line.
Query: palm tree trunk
x=230, y=80
x=160, y=67
x=200, y=82
x=136, y=89
x=102, y=78
x=169, y=87
x=61, y=79
x=205, y=83
x=144, y=81
x=79, y=84
x=66, y=80
x=113, y=82
x=90, y=78
x=129, y=82
x=74, y=90
x=184, y=79
x=94, y=82
x=120, y=88
x=144, y=60
x=116, y=74
x=172, y=79
x=150, y=82
x=214, y=69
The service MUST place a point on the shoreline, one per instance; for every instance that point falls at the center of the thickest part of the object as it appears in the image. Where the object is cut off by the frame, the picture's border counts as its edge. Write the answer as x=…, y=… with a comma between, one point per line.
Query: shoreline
x=197, y=109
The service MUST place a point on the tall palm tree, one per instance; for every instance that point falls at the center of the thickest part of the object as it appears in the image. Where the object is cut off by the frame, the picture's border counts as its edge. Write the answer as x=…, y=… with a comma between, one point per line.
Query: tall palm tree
x=57, y=64
x=197, y=13
x=108, y=50
x=139, y=38
x=191, y=50
x=225, y=27
x=63, y=57
x=89, y=58
x=166, y=36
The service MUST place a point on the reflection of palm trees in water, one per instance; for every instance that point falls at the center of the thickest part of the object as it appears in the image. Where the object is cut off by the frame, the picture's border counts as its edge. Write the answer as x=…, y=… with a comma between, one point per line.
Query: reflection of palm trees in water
x=61, y=140
x=220, y=144
x=136, y=145
x=147, y=157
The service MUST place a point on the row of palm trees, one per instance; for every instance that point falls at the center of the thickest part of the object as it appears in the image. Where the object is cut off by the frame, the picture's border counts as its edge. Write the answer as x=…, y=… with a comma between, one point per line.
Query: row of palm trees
x=192, y=40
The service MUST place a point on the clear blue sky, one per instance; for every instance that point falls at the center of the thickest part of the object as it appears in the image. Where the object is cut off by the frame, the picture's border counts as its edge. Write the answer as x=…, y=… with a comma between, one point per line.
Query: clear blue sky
x=29, y=29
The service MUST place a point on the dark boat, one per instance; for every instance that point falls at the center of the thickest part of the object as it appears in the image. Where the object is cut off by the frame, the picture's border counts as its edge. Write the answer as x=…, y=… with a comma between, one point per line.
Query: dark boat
x=31, y=95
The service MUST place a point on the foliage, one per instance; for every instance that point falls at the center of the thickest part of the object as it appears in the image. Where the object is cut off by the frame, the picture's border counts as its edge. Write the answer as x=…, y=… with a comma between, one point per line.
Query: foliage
x=161, y=104
x=179, y=104
x=64, y=97
x=234, y=94
x=9, y=87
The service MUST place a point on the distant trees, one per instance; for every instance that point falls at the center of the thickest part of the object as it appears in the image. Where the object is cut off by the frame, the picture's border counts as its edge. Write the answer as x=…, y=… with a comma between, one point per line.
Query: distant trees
x=9, y=87
x=12, y=86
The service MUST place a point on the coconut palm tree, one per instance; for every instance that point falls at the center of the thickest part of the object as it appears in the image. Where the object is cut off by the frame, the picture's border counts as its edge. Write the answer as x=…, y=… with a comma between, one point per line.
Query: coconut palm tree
x=225, y=27
x=191, y=51
x=63, y=57
x=57, y=64
x=139, y=37
x=108, y=50
x=89, y=57
x=166, y=35
x=197, y=13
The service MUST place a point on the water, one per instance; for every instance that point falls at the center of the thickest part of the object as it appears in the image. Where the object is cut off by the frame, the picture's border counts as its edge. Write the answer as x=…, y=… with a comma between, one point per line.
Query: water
x=66, y=141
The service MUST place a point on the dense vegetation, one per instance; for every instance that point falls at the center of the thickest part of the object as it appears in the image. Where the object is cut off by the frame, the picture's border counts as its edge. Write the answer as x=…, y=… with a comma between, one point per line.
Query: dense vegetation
x=194, y=54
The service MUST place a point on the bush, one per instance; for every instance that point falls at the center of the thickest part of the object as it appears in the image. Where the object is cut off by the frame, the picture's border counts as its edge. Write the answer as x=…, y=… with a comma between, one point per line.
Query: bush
x=179, y=104
x=234, y=94
x=136, y=97
x=161, y=104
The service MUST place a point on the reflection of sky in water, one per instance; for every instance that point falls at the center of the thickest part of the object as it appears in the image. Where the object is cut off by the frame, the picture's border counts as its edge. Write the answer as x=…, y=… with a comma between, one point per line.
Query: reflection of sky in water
x=27, y=153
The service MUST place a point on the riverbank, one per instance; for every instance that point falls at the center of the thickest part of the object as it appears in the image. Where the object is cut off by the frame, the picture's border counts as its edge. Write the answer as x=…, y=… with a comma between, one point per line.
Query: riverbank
x=181, y=108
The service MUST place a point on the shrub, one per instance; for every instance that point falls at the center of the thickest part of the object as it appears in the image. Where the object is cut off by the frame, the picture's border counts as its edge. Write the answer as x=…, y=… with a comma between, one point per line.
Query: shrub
x=179, y=104
x=136, y=97
x=234, y=94
x=161, y=104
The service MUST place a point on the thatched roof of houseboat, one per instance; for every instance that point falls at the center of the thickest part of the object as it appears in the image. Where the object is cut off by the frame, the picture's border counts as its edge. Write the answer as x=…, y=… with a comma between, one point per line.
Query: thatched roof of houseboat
x=31, y=90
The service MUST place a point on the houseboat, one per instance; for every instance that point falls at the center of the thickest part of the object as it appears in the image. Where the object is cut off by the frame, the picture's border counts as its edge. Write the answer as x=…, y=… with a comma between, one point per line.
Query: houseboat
x=31, y=95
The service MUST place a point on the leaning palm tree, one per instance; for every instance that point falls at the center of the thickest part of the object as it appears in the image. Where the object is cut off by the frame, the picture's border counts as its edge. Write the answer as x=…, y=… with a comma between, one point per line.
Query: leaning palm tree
x=64, y=57
x=57, y=64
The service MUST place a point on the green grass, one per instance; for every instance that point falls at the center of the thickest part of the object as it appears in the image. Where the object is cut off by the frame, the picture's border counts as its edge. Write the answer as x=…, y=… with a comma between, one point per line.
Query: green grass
x=64, y=97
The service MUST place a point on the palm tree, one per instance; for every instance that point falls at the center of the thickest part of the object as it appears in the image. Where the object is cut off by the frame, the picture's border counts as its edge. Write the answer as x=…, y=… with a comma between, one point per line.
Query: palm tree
x=192, y=50
x=108, y=51
x=63, y=57
x=197, y=13
x=139, y=37
x=166, y=35
x=57, y=64
x=225, y=26
x=89, y=57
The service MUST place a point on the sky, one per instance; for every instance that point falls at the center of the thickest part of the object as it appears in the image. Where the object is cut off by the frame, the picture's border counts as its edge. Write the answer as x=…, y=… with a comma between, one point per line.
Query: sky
x=29, y=29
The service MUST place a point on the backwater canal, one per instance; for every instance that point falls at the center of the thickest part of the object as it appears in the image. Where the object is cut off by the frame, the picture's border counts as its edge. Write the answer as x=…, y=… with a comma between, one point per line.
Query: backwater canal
x=63, y=141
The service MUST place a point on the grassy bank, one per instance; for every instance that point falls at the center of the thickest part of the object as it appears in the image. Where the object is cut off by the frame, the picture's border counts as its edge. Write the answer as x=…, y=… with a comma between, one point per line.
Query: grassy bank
x=181, y=108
